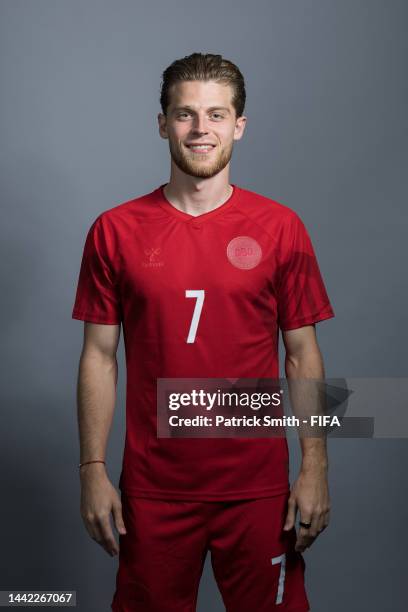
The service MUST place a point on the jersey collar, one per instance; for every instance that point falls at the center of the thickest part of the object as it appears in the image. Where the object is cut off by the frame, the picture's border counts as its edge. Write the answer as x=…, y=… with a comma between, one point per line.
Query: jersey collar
x=183, y=216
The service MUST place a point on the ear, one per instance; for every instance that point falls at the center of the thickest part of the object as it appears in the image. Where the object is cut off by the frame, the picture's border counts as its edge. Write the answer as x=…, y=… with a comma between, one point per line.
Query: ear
x=239, y=127
x=162, y=121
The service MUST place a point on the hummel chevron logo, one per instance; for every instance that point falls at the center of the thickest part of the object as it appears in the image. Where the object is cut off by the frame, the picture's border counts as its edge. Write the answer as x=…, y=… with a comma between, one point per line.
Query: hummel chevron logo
x=152, y=255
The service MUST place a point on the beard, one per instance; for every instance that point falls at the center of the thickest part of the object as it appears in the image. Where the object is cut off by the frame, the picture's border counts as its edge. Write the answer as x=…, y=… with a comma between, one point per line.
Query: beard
x=193, y=164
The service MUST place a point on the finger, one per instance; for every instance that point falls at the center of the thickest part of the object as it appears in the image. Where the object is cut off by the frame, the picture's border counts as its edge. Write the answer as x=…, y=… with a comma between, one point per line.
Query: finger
x=95, y=532
x=291, y=515
x=302, y=539
x=325, y=523
x=322, y=523
x=118, y=518
x=92, y=527
x=313, y=532
x=108, y=540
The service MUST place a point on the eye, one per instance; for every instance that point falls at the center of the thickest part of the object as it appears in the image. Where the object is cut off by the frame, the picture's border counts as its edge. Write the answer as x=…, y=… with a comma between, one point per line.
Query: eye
x=217, y=115
x=182, y=114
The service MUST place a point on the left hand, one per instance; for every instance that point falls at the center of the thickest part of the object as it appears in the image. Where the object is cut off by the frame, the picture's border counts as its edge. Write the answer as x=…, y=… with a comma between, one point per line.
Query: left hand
x=309, y=494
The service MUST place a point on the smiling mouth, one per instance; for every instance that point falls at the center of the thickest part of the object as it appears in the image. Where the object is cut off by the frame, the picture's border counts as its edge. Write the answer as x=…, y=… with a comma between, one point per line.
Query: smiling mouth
x=202, y=149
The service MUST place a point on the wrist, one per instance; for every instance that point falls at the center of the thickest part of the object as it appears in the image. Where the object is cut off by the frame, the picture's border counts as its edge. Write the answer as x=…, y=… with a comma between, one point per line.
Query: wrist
x=91, y=466
x=91, y=473
x=314, y=464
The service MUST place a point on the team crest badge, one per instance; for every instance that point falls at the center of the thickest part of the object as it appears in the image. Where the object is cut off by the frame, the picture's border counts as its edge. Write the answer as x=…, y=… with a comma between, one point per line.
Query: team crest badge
x=244, y=252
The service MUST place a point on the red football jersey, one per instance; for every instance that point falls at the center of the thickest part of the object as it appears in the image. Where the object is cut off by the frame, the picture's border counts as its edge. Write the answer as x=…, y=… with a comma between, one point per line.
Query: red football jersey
x=252, y=261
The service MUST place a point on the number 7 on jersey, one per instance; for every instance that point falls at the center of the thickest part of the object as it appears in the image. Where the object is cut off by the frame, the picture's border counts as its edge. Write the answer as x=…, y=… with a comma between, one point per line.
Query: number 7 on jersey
x=199, y=294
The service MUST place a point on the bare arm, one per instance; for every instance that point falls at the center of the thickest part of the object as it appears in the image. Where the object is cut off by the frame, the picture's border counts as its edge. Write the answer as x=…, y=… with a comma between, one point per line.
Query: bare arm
x=96, y=390
x=96, y=395
x=310, y=491
x=304, y=360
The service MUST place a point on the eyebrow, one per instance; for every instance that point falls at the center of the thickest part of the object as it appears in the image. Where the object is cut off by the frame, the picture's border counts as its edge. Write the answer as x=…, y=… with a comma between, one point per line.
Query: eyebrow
x=212, y=108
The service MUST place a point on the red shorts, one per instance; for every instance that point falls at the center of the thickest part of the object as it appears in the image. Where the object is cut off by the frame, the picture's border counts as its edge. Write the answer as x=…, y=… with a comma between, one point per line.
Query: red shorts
x=162, y=556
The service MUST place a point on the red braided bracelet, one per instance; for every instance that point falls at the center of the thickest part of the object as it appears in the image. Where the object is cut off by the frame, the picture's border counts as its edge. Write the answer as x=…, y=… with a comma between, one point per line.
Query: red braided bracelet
x=86, y=462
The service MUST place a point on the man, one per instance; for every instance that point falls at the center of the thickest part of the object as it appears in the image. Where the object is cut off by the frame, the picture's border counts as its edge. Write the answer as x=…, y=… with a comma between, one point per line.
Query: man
x=249, y=261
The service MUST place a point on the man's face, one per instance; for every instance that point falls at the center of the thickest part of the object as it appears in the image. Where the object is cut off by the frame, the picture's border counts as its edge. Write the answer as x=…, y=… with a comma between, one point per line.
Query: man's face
x=201, y=113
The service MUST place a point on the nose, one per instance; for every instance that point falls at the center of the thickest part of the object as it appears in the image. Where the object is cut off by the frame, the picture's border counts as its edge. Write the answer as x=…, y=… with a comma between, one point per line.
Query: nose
x=199, y=125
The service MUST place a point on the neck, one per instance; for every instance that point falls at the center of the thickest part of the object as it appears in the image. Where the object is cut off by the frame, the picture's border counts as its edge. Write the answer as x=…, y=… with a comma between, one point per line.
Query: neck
x=196, y=196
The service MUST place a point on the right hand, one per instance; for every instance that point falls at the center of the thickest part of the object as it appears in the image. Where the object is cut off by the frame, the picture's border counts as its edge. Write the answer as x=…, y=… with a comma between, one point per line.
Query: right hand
x=98, y=499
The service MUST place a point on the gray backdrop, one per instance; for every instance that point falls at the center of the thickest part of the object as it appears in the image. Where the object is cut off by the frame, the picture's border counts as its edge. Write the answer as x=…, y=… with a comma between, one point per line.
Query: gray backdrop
x=326, y=135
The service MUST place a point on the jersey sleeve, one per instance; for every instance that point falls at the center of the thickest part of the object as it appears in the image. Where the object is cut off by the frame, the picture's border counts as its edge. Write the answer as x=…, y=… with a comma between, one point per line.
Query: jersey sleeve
x=301, y=298
x=97, y=298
